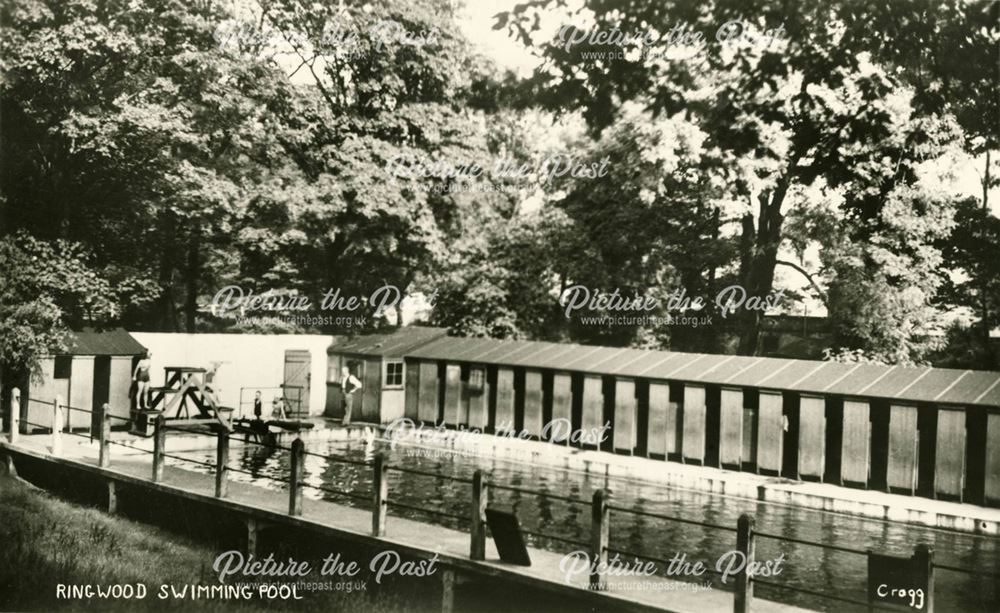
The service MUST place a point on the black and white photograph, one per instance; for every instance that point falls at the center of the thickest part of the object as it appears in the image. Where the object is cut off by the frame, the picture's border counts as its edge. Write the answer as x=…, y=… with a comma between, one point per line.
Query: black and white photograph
x=448, y=306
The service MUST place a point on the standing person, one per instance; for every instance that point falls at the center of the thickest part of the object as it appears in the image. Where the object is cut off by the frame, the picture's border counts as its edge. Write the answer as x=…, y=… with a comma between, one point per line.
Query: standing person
x=141, y=378
x=257, y=406
x=348, y=385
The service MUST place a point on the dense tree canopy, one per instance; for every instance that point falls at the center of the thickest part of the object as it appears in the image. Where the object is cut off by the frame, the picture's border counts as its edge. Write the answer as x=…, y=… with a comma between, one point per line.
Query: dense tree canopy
x=155, y=152
x=851, y=95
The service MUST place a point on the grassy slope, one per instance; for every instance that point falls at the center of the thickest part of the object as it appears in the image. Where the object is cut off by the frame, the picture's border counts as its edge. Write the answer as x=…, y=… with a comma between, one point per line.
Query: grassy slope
x=45, y=541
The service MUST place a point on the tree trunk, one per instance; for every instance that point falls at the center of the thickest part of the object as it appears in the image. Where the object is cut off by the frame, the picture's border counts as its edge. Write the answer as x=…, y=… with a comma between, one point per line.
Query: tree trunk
x=758, y=258
x=984, y=304
x=191, y=281
x=166, y=275
x=986, y=183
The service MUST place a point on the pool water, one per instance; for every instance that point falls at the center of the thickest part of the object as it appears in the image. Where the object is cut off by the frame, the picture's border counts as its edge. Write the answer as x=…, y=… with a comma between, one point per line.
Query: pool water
x=805, y=566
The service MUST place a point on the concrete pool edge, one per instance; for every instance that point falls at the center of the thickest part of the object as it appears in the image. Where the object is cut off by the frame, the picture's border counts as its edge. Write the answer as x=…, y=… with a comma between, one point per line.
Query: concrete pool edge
x=959, y=517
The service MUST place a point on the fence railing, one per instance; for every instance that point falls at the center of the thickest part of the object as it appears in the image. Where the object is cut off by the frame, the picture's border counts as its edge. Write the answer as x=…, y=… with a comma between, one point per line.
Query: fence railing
x=597, y=547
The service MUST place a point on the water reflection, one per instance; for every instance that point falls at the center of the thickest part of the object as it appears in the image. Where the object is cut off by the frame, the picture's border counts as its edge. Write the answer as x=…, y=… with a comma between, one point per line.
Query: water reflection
x=805, y=566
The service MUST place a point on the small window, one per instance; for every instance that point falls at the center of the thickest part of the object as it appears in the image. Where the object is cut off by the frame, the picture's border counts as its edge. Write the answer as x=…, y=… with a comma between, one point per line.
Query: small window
x=63, y=367
x=393, y=374
x=477, y=379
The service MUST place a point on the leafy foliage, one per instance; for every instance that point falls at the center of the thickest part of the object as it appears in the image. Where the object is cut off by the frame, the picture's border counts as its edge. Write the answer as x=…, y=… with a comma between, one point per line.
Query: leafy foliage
x=849, y=95
x=45, y=287
x=155, y=152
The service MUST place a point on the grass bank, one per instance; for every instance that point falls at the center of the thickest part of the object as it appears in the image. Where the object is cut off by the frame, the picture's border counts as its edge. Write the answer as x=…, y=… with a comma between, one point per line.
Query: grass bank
x=45, y=542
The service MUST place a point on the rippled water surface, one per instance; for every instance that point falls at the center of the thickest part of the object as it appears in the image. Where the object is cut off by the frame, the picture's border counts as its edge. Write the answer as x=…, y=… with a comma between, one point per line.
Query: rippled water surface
x=809, y=567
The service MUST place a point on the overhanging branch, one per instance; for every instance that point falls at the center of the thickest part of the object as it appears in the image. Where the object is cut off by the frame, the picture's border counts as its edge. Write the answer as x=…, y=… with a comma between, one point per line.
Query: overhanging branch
x=809, y=277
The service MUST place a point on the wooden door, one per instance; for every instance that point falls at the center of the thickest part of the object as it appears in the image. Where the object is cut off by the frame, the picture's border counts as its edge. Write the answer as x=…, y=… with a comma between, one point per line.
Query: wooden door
x=562, y=408
x=453, y=395
x=659, y=440
x=625, y=415
x=901, y=473
x=694, y=422
x=533, y=402
x=949, y=465
x=427, y=401
x=770, y=431
x=296, y=381
x=855, y=447
x=731, y=427
x=992, y=485
x=812, y=437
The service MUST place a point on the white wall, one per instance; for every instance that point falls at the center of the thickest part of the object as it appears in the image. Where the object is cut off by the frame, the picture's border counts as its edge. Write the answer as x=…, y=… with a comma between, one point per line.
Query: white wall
x=249, y=360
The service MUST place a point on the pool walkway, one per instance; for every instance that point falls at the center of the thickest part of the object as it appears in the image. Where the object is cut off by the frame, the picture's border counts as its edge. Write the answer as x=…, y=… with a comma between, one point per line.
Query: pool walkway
x=260, y=506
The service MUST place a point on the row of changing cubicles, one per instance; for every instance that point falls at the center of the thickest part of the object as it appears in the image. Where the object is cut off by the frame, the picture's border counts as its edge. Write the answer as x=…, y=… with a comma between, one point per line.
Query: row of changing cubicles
x=921, y=431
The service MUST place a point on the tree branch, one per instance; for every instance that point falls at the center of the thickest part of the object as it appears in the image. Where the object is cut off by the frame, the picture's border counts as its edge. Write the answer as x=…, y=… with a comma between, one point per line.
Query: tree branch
x=809, y=277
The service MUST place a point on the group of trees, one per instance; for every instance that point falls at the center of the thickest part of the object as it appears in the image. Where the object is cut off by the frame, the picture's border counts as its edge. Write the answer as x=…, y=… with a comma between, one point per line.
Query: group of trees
x=153, y=153
x=827, y=125
x=172, y=148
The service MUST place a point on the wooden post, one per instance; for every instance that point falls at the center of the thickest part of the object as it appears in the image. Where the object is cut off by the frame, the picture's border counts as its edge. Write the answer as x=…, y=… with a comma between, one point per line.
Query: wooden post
x=252, y=530
x=15, y=415
x=104, y=435
x=112, y=498
x=447, y=591
x=477, y=551
x=599, y=525
x=222, y=465
x=57, y=426
x=743, y=594
x=923, y=558
x=380, y=491
x=159, y=444
x=297, y=476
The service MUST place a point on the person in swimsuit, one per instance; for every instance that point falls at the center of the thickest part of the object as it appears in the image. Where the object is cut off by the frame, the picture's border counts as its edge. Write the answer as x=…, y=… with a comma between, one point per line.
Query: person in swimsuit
x=278, y=408
x=141, y=378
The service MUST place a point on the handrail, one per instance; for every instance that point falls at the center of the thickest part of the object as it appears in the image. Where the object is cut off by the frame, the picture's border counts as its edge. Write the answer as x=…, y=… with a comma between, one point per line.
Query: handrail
x=671, y=518
x=338, y=492
x=789, y=539
x=121, y=444
x=658, y=560
x=338, y=458
x=259, y=476
x=514, y=488
x=158, y=452
x=414, y=471
x=403, y=505
x=49, y=427
x=967, y=571
x=188, y=460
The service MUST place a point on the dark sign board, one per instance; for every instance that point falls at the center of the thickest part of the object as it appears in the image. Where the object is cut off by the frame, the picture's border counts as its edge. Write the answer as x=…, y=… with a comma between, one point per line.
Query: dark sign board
x=506, y=533
x=898, y=581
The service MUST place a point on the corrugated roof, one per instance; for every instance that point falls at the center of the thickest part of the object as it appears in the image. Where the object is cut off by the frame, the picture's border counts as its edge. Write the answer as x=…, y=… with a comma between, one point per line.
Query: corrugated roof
x=905, y=384
x=102, y=342
x=394, y=344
